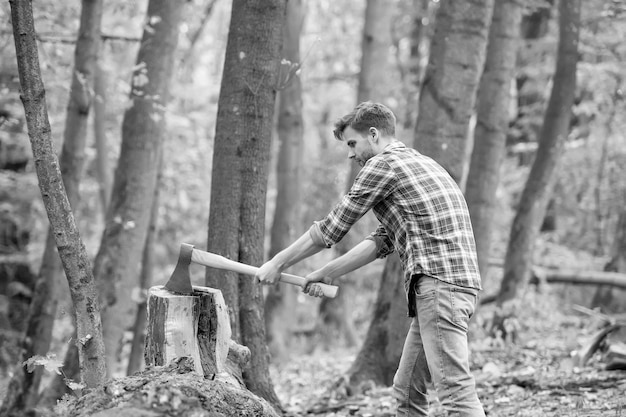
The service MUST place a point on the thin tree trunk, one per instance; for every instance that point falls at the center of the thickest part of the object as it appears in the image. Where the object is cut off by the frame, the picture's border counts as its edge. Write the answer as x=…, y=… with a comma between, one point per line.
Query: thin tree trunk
x=534, y=198
x=71, y=249
x=25, y=385
x=239, y=175
x=375, y=57
x=103, y=168
x=132, y=199
x=611, y=299
x=281, y=299
x=380, y=354
x=493, y=103
x=421, y=35
x=135, y=360
x=447, y=97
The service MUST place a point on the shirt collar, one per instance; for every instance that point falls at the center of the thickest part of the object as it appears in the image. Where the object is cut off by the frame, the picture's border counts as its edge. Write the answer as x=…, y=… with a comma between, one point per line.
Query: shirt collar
x=395, y=144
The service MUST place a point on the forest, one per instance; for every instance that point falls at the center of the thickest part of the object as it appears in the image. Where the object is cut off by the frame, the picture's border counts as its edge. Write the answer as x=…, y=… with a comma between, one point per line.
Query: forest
x=144, y=141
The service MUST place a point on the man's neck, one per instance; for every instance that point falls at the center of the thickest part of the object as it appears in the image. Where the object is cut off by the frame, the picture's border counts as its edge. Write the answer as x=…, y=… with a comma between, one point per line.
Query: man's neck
x=382, y=143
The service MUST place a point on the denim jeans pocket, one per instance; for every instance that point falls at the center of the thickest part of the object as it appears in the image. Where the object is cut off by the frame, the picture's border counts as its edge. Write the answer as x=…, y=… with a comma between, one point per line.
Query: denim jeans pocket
x=463, y=302
x=425, y=287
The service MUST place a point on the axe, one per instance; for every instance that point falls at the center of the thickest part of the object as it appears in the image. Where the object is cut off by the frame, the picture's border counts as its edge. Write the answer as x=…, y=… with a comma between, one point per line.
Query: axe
x=180, y=281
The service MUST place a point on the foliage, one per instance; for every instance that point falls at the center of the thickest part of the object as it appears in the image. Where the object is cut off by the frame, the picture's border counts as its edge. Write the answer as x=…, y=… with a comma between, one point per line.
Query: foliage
x=49, y=362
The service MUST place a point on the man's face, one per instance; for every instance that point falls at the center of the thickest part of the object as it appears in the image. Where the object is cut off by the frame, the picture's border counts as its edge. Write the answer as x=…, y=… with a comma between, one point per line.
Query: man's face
x=359, y=148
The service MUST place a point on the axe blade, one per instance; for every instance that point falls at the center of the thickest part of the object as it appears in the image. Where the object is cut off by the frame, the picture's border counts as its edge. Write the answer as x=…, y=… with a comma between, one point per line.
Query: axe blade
x=180, y=281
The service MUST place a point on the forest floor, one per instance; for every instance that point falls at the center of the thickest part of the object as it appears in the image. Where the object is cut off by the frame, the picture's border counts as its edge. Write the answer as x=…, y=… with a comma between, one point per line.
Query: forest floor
x=534, y=375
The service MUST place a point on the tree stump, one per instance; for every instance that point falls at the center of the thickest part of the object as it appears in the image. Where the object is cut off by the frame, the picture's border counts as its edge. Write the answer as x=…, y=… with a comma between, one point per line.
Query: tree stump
x=196, y=326
x=193, y=366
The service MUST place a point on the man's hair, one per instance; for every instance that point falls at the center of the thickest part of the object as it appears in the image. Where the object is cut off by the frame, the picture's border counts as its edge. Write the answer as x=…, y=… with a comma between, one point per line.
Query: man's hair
x=364, y=116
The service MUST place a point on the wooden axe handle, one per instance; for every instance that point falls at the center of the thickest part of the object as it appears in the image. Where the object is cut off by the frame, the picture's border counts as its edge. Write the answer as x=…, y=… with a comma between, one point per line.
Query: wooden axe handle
x=217, y=261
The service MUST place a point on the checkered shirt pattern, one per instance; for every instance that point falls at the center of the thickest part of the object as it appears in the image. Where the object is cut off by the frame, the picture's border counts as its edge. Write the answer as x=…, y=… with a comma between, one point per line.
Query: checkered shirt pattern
x=422, y=213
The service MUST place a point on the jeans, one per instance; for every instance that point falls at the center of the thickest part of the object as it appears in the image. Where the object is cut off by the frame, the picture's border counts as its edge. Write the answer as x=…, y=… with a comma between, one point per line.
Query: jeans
x=436, y=349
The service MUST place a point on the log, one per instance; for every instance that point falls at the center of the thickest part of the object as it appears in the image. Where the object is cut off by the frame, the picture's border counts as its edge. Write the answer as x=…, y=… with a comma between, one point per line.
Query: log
x=615, y=356
x=594, y=343
x=579, y=277
x=195, y=326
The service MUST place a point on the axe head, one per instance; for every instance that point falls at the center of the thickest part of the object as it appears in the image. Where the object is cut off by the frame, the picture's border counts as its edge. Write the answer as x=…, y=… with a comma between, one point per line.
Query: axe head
x=180, y=281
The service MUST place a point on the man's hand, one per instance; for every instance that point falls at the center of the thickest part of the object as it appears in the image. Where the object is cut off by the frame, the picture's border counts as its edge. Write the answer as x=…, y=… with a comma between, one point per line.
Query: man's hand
x=313, y=278
x=268, y=273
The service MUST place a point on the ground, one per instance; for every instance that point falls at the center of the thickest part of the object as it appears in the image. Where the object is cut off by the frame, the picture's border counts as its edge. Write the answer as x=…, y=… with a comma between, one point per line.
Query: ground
x=535, y=375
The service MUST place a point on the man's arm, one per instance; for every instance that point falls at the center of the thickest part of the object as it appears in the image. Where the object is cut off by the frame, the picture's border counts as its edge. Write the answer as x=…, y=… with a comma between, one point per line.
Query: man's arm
x=360, y=255
x=305, y=246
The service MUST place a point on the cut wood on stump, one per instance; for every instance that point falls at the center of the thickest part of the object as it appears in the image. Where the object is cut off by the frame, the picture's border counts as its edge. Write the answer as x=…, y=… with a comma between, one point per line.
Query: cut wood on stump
x=196, y=326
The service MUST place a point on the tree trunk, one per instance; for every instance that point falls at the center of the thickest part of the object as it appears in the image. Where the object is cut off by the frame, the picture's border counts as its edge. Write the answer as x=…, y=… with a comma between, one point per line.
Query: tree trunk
x=71, y=249
x=375, y=55
x=143, y=132
x=380, y=354
x=538, y=188
x=492, y=108
x=421, y=36
x=378, y=343
x=610, y=299
x=447, y=97
x=281, y=299
x=135, y=360
x=47, y=291
x=99, y=122
x=239, y=175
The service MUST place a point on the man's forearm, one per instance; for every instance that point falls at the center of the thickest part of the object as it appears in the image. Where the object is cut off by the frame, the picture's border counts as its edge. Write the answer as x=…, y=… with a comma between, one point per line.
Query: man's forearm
x=297, y=251
x=360, y=255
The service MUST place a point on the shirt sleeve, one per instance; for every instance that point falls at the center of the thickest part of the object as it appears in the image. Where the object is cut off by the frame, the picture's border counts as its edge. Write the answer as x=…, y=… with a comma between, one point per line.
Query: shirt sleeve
x=384, y=246
x=375, y=181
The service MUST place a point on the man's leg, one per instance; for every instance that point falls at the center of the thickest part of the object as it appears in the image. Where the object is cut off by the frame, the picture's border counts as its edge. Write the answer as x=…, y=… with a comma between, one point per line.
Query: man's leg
x=443, y=311
x=412, y=376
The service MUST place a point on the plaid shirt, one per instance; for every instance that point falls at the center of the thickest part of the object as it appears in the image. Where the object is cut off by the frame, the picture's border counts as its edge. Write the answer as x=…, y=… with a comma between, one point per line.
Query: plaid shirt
x=422, y=213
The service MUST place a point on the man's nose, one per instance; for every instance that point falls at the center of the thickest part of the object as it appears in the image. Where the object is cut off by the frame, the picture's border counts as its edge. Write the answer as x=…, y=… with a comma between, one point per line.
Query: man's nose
x=351, y=154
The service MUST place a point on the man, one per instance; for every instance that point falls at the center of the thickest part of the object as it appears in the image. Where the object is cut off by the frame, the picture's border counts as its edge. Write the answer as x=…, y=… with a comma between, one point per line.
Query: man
x=423, y=216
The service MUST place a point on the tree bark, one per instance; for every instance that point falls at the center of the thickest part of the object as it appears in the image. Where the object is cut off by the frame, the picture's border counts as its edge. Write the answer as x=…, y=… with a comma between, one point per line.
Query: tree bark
x=375, y=55
x=143, y=133
x=421, y=37
x=47, y=290
x=135, y=360
x=281, y=299
x=103, y=168
x=449, y=89
x=71, y=249
x=239, y=175
x=380, y=354
x=492, y=108
x=608, y=297
x=538, y=188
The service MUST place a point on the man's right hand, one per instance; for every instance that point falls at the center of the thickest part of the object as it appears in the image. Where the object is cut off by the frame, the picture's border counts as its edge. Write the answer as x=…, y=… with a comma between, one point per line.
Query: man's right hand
x=314, y=290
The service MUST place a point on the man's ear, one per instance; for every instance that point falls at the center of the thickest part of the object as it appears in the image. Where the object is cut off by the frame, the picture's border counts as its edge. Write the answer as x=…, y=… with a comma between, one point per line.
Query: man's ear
x=373, y=134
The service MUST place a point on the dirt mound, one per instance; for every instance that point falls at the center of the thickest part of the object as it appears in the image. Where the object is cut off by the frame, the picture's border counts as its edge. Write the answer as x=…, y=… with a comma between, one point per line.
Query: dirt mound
x=173, y=391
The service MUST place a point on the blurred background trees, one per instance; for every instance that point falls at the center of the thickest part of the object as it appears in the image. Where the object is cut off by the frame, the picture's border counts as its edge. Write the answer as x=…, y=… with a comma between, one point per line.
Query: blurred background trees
x=458, y=79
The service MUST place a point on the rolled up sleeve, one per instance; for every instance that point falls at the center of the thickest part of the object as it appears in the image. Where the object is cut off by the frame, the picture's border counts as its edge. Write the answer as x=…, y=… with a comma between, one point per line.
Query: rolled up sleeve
x=384, y=246
x=317, y=236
